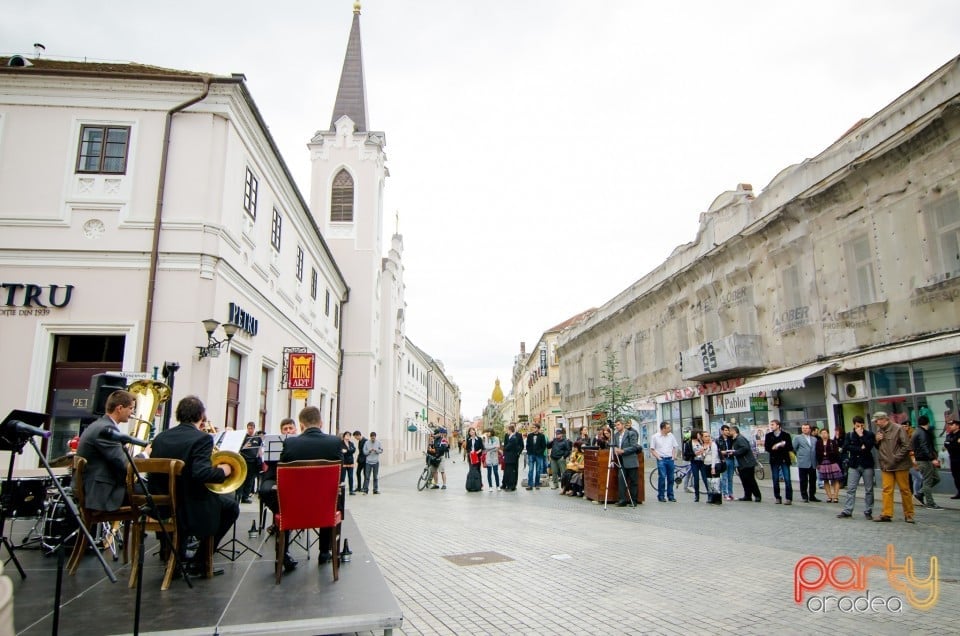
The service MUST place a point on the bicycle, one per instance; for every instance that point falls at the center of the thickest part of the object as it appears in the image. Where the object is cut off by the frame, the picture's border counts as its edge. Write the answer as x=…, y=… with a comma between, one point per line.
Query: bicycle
x=679, y=472
x=427, y=475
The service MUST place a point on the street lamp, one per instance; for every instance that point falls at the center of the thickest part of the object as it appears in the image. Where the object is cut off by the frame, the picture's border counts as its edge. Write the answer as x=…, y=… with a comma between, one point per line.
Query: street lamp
x=212, y=348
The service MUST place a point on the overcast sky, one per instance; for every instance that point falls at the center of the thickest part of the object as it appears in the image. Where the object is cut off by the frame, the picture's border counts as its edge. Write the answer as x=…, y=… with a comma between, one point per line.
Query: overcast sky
x=544, y=154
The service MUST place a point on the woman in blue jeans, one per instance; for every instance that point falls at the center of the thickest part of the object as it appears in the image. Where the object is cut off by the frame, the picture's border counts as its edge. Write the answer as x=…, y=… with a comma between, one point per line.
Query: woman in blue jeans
x=725, y=445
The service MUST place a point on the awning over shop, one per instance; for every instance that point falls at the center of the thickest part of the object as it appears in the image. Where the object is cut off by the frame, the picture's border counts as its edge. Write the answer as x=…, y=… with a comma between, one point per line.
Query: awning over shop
x=782, y=380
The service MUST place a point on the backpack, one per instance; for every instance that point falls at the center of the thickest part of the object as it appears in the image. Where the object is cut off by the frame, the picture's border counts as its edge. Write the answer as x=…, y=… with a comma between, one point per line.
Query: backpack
x=688, y=451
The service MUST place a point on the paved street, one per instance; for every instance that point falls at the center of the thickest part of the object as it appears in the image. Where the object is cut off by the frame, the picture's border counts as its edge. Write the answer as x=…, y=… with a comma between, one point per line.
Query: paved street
x=570, y=567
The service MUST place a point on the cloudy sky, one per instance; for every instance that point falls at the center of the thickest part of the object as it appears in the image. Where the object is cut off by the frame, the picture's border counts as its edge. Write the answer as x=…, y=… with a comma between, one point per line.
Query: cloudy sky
x=544, y=154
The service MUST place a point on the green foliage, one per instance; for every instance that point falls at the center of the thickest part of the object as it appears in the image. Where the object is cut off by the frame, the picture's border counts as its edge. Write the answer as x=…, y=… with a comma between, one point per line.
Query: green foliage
x=615, y=390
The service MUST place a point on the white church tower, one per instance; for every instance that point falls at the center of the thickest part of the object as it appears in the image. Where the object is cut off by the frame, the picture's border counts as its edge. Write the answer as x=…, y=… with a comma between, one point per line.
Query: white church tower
x=349, y=171
x=347, y=183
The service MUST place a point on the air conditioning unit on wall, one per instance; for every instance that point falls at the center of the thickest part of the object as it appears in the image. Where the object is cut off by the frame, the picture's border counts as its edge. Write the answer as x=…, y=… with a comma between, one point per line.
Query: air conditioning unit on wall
x=856, y=390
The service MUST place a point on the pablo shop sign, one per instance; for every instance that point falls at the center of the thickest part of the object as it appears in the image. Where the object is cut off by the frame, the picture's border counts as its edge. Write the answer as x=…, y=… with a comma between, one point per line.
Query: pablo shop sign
x=29, y=299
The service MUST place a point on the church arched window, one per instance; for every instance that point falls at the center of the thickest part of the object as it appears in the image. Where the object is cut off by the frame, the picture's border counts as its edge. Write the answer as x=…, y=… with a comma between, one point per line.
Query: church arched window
x=341, y=199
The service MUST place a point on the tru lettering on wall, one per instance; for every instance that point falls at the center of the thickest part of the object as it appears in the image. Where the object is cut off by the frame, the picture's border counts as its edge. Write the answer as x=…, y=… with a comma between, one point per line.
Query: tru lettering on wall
x=30, y=299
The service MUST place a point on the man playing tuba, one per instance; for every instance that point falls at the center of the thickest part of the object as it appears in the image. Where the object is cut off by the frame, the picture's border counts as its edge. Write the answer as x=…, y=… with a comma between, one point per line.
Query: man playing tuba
x=201, y=512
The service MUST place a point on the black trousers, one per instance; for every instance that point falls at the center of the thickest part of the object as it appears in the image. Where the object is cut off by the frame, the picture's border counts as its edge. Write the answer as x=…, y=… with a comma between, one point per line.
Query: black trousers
x=749, y=481
x=955, y=471
x=808, y=483
x=627, y=477
x=361, y=470
x=510, y=474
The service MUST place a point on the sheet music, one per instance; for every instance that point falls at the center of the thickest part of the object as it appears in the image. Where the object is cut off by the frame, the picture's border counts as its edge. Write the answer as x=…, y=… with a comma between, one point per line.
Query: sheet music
x=229, y=440
x=273, y=446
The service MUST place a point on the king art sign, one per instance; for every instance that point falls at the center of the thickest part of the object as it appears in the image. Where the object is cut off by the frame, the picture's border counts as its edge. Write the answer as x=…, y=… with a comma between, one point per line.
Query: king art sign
x=301, y=370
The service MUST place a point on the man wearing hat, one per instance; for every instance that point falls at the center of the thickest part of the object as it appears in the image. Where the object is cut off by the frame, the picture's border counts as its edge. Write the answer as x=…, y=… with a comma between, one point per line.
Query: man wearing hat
x=560, y=449
x=893, y=452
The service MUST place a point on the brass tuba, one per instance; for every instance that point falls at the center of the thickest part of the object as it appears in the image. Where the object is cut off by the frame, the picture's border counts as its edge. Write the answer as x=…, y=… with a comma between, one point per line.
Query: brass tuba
x=150, y=395
x=238, y=466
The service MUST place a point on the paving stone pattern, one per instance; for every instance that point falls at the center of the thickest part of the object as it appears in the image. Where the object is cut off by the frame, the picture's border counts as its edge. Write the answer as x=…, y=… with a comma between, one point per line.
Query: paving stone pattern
x=660, y=568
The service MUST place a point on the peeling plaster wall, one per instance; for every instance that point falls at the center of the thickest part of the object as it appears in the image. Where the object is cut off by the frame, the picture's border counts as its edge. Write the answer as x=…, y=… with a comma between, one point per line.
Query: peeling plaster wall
x=791, y=265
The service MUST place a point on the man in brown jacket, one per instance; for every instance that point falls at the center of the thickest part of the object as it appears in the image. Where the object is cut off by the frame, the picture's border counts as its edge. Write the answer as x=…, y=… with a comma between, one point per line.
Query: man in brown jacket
x=893, y=451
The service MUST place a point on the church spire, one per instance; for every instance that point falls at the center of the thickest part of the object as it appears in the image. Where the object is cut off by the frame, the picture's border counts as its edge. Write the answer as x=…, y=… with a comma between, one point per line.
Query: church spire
x=352, y=93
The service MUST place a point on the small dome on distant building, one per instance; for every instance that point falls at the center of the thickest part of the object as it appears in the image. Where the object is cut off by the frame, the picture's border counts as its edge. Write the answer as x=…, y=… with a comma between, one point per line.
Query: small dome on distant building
x=497, y=396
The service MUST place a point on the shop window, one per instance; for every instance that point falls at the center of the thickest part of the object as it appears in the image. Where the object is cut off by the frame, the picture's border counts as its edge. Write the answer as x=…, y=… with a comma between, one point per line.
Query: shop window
x=860, y=271
x=893, y=380
x=943, y=229
x=233, y=392
x=250, y=186
x=938, y=374
x=264, y=392
x=103, y=149
x=341, y=198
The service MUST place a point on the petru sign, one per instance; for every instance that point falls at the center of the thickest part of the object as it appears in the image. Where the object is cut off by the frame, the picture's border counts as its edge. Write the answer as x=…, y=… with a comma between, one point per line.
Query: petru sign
x=843, y=573
x=27, y=299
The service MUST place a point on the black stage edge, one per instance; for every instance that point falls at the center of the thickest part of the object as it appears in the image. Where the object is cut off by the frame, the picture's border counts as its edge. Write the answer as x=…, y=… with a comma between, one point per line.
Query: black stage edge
x=245, y=600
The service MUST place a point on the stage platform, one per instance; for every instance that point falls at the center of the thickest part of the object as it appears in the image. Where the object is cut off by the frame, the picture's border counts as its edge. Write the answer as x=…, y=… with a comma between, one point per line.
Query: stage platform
x=244, y=600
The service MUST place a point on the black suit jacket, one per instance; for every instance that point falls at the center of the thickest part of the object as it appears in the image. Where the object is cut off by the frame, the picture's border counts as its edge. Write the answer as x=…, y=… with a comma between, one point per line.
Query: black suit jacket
x=198, y=508
x=512, y=447
x=311, y=444
x=104, y=478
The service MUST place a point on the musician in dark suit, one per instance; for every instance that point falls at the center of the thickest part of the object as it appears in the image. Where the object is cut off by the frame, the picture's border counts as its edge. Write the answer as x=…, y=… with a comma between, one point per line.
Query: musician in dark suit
x=625, y=448
x=201, y=513
x=311, y=443
x=104, y=478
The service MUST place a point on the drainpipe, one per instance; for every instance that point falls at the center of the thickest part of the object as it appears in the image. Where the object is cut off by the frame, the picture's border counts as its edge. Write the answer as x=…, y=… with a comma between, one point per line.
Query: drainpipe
x=158, y=216
x=343, y=303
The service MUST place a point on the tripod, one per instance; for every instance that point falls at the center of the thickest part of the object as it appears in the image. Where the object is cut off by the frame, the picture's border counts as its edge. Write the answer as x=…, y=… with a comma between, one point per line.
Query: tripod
x=232, y=554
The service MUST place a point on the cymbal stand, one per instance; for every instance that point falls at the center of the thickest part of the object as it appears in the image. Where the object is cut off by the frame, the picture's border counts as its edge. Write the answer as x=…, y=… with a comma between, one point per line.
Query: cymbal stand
x=72, y=507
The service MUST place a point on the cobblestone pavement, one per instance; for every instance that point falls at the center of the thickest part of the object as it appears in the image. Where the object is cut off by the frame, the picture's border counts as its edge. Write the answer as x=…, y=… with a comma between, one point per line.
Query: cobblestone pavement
x=572, y=567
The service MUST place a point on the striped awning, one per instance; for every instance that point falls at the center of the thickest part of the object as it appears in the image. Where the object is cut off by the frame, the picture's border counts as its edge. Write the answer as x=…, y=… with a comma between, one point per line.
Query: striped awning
x=782, y=380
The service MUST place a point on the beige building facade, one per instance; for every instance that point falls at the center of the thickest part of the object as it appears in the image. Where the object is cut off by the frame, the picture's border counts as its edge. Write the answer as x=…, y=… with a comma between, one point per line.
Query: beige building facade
x=832, y=293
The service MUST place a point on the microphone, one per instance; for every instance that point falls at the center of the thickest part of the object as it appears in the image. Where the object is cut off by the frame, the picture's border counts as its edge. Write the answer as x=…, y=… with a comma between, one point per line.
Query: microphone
x=116, y=436
x=26, y=429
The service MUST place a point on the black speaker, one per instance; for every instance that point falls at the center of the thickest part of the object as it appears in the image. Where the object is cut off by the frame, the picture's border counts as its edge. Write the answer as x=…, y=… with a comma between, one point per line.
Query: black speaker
x=101, y=386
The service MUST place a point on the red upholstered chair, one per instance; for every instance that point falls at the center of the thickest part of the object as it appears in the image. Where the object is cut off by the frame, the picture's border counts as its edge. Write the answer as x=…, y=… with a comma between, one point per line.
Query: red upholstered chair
x=307, y=492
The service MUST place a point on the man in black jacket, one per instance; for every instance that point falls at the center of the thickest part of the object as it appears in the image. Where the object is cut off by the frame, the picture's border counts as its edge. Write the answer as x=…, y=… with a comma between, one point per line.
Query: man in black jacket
x=951, y=444
x=536, y=447
x=858, y=445
x=201, y=513
x=512, y=448
x=360, y=440
x=926, y=460
x=779, y=446
x=312, y=443
x=746, y=464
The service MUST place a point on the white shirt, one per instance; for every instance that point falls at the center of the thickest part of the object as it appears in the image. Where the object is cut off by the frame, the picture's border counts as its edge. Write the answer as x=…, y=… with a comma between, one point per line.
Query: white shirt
x=664, y=445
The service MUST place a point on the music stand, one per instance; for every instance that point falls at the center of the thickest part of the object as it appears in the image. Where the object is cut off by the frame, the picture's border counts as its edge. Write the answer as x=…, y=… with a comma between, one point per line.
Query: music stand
x=232, y=554
x=11, y=439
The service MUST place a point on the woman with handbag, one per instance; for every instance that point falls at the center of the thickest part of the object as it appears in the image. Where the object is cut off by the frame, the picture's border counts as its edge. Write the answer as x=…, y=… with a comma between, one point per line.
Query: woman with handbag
x=711, y=468
x=475, y=455
x=491, y=450
x=828, y=465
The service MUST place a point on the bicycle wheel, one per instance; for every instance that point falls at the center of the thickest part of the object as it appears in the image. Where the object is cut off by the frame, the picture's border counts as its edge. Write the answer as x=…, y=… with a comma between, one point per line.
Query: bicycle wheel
x=654, y=478
x=424, y=478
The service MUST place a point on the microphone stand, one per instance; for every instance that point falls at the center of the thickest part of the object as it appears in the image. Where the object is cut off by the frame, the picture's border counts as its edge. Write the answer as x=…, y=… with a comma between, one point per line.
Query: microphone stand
x=144, y=510
x=72, y=507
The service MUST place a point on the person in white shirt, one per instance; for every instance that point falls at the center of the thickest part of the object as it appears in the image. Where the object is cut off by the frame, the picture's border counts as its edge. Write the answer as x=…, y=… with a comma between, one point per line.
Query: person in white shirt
x=664, y=448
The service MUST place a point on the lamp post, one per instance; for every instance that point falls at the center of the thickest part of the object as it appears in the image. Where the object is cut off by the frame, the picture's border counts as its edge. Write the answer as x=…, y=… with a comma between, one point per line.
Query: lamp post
x=213, y=346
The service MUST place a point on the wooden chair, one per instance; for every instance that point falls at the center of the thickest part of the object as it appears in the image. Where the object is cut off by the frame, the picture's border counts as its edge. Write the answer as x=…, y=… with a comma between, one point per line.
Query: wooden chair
x=158, y=467
x=91, y=518
x=308, y=492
